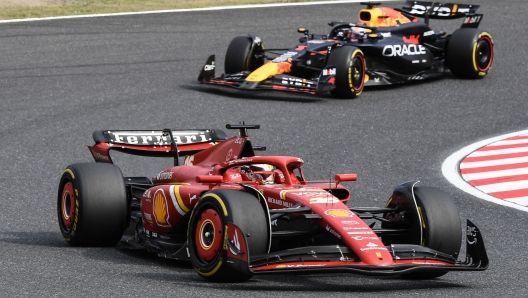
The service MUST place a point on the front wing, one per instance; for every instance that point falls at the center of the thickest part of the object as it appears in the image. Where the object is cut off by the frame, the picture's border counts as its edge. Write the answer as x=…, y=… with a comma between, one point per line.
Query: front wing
x=279, y=82
x=336, y=259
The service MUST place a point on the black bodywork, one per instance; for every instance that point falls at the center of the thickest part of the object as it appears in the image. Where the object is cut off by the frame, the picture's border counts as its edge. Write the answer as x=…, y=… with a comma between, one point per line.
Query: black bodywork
x=401, y=53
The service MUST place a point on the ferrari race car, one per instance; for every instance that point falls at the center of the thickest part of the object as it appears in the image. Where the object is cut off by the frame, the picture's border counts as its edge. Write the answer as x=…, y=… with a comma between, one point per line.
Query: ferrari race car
x=386, y=46
x=234, y=214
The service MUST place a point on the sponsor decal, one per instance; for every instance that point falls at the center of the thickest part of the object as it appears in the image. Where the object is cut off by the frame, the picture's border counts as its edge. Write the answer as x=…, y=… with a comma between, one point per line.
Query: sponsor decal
x=147, y=217
x=361, y=233
x=329, y=72
x=325, y=200
x=235, y=176
x=229, y=154
x=235, y=242
x=370, y=244
x=297, y=82
x=191, y=198
x=359, y=238
x=329, y=229
x=386, y=34
x=442, y=11
x=300, y=265
x=316, y=41
x=378, y=254
x=164, y=176
x=147, y=193
x=233, y=162
x=284, y=57
x=403, y=50
x=427, y=33
x=471, y=232
x=209, y=67
x=155, y=137
x=279, y=202
x=339, y=213
x=349, y=222
x=100, y=156
x=355, y=228
x=274, y=222
x=411, y=39
x=188, y=160
x=415, y=78
x=472, y=20
x=308, y=193
x=373, y=248
x=161, y=209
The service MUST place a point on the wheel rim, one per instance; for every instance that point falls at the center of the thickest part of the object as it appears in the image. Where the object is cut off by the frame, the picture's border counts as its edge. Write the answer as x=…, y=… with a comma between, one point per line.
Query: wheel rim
x=67, y=206
x=484, y=53
x=208, y=234
x=358, y=72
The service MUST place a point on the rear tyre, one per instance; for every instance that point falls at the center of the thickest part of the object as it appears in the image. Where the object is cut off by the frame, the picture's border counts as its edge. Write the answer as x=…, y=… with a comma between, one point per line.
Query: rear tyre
x=207, y=232
x=241, y=55
x=92, y=204
x=350, y=71
x=470, y=53
x=440, y=222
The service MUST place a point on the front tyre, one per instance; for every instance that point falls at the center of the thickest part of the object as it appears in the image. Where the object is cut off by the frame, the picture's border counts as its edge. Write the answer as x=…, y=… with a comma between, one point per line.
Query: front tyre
x=243, y=55
x=92, y=204
x=207, y=232
x=437, y=218
x=470, y=53
x=350, y=71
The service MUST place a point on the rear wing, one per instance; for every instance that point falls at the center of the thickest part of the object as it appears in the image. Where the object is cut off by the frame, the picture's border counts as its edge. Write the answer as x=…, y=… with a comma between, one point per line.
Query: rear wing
x=435, y=10
x=156, y=143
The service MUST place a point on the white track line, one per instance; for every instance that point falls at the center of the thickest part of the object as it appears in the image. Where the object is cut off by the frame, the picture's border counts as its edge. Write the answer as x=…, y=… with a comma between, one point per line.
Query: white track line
x=450, y=169
x=189, y=9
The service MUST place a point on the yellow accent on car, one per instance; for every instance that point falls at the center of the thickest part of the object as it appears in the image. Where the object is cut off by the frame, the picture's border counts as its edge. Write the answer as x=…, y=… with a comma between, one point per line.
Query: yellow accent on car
x=216, y=268
x=421, y=217
x=69, y=172
x=179, y=199
x=263, y=72
x=215, y=196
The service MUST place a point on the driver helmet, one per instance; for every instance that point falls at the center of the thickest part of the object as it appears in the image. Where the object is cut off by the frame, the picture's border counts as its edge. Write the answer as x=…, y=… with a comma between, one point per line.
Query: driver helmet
x=264, y=177
x=357, y=32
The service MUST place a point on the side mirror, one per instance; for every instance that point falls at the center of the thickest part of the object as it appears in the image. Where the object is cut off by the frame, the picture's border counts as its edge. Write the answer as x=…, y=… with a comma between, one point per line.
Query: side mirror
x=345, y=177
x=209, y=179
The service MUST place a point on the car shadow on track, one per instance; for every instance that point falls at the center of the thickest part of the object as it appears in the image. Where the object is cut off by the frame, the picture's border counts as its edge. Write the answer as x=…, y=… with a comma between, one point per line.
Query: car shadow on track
x=44, y=239
x=312, y=283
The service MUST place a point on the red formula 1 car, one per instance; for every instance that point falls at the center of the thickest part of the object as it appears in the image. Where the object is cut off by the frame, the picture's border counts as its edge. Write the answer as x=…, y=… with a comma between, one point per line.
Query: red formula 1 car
x=234, y=214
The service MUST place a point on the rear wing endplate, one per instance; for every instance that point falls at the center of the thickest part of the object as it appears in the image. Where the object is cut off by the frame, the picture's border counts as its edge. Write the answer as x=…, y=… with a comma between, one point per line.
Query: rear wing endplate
x=156, y=143
x=435, y=10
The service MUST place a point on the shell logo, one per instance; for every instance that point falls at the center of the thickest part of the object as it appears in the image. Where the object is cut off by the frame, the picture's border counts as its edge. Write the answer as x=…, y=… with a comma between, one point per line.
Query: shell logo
x=339, y=213
x=160, y=209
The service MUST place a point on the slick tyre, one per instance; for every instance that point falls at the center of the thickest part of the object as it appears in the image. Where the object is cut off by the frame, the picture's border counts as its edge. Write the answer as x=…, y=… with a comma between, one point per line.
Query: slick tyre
x=207, y=232
x=470, y=53
x=242, y=55
x=92, y=204
x=439, y=221
x=350, y=71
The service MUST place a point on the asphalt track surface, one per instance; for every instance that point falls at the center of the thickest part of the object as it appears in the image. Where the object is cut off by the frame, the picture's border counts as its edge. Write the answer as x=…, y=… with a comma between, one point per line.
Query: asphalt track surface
x=62, y=79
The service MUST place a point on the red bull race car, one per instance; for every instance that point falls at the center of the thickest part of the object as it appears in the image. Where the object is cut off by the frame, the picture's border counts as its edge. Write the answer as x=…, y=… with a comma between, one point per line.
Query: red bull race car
x=234, y=214
x=386, y=46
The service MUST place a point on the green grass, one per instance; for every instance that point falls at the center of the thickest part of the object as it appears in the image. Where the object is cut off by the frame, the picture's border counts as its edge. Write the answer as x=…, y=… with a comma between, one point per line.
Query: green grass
x=81, y=7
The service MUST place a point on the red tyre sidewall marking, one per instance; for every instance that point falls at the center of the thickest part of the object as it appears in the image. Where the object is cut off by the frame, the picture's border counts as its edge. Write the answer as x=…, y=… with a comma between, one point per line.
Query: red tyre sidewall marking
x=67, y=205
x=209, y=218
x=490, y=43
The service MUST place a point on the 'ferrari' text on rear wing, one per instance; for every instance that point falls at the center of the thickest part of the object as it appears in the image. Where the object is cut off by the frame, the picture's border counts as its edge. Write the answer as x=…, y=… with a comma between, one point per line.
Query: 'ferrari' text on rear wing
x=156, y=143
